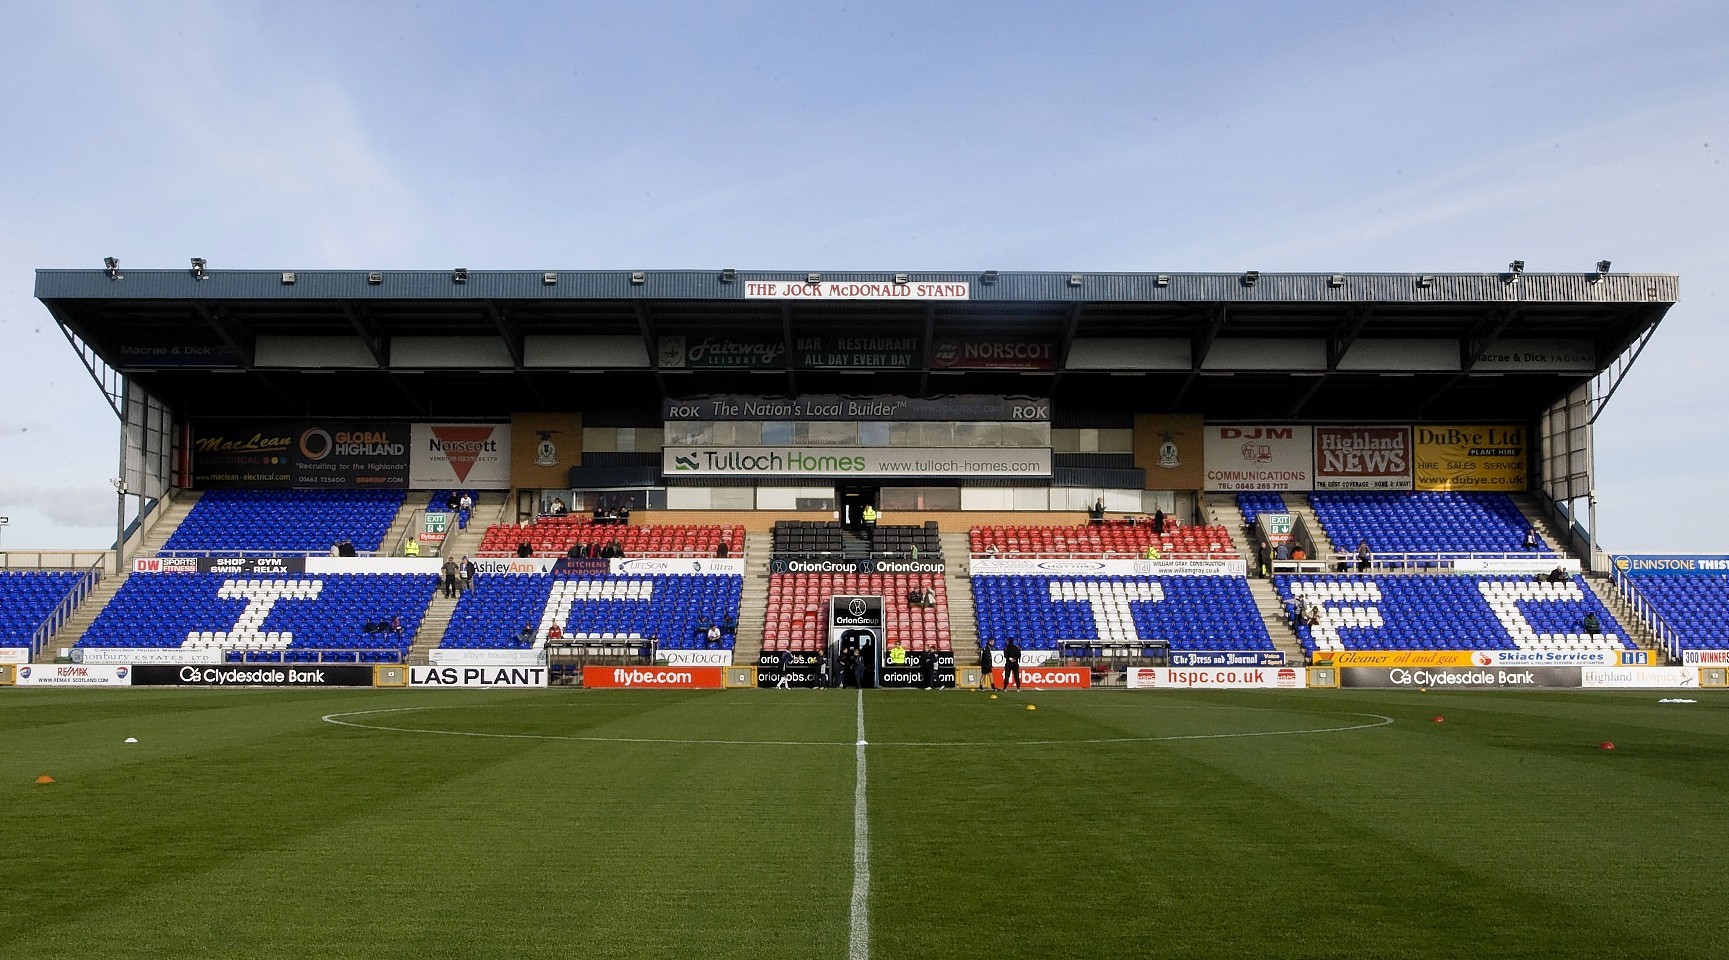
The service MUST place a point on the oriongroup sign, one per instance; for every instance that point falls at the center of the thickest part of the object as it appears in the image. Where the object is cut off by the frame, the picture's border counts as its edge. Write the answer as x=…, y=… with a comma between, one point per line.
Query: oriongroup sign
x=1362, y=458
x=1255, y=457
x=1469, y=457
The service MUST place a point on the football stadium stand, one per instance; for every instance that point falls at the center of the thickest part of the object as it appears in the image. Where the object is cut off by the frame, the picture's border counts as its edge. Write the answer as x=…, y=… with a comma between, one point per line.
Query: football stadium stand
x=1255, y=504
x=674, y=610
x=555, y=536
x=1184, y=613
x=1424, y=521
x=797, y=615
x=286, y=521
x=28, y=598
x=1114, y=539
x=285, y=618
x=814, y=538
x=1686, y=612
x=1440, y=612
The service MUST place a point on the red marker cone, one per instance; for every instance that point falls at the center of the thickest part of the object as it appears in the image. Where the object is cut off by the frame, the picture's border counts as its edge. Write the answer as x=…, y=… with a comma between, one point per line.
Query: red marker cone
x=1606, y=745
x=1439, y=720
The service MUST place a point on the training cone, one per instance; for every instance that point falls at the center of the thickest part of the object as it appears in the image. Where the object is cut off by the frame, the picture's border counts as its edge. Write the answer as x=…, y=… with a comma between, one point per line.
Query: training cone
x=44, y=779
x=1031, y=707
x=1439, y=720
x=1606, y=745
x=131, y=739
x=993, y=696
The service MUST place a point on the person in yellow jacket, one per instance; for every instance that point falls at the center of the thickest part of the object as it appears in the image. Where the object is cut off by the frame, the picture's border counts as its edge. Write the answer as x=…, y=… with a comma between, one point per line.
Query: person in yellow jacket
x=897, y=655
x=411, y=548
x=1152, y=551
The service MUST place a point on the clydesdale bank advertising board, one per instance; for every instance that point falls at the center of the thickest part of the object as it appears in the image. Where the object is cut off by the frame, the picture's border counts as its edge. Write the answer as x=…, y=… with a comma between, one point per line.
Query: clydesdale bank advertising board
x=252, y=675
x=1462, y=678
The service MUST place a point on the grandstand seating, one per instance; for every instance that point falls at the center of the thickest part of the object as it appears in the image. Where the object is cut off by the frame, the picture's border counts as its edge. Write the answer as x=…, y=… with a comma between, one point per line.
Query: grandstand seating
x=1109, y=539
x=820, y=537
x=1188, y=613
x=27, y=597
x=1691, y=605
x=284, y=618
x=1255, y=504
x=797, y=616
x=439, y=502
x=1449, y=613
x=1423, y=521
x=554, y=536
x=286, y=521
x=674, y=609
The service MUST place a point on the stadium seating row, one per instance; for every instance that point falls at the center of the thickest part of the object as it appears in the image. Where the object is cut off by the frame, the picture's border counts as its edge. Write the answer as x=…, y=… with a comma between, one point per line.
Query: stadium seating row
x=675, y=610
x=1187, y=613
x=797, y=615
x=27, y=597
x=554, y=536
x=1113, y=539
x=285, y=521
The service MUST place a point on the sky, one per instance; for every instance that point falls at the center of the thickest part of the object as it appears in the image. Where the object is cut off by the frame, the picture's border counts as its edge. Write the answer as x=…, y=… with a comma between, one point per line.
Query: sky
x=1316, y=137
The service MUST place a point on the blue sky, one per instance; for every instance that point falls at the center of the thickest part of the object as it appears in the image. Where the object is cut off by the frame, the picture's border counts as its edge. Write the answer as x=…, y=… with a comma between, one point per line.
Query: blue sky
x=1016, y=136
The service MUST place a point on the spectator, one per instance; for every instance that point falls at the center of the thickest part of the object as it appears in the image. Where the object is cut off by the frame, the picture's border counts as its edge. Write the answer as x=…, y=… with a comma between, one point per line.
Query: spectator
x=1152, y=551
x=1097, y=513
x=928, y=668
x=524, y=550
x=1558, y=575
x=558, y=509
x=1364, y=558
x=929, y=597
x=1159, y=521
x=526, y=635
x=449, y=572
x=914, y=598
x=577, y=551
x=451, y=502
x=721, y=550
x=991, y=549
x=713, y=635
x=897, y=655
x=555, y=632
x=466, y=502
x=466, y=574
x=1592, y=624
x=396, y=625
x=412, y=547
x=1298, y=553
x=1011, y=663
x=1530, y=538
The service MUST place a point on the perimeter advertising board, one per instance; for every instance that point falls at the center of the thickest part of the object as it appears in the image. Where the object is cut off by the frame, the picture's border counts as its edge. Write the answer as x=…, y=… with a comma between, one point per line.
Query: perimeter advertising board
x=1641, y=678
x=1469, y=457
x=1048, y=678
x=1002, y=353
x=253, y=675
x=654, y=678
x=1214, y=678
x=479, y=677
x=461, y=456
x=1461, y=678
x=73, y=675
x=133, y=655
x=1362, y=458
x=14, y=654
x=1670, y=565
x=1259, y=457
x=299, y=454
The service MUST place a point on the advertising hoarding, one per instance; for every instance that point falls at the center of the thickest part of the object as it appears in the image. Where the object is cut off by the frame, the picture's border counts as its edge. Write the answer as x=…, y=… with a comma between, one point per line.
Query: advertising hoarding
x=1362, y=458
x=1248, y=457
x=1469, y=457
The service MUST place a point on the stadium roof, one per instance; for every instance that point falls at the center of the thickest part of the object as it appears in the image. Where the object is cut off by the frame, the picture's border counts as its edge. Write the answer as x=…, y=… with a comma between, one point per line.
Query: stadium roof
x=485, y=343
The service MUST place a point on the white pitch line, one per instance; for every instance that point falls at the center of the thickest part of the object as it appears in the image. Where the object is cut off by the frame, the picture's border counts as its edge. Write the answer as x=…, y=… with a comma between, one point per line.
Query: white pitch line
x=859, y=934
x=336, y=718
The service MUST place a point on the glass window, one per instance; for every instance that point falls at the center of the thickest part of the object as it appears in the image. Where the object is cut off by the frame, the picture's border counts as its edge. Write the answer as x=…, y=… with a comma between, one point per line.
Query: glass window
x=776, y=433
x=875, y=433
x=732, y=498
x=1026, y=434
x=976, y=435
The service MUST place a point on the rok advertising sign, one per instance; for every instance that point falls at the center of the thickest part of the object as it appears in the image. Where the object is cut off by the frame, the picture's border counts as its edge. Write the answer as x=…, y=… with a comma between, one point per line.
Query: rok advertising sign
x=1469, y=457
x=1249, y=457
x=855, y=462
x=299, y=454
x=815, y=407
x=462, y=456
x=1362, y=458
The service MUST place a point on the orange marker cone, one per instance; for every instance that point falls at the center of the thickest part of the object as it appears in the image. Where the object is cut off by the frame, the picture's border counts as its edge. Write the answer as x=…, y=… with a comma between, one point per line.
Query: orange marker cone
x=1439, y=720
x=44, y=779
x=1606, y=745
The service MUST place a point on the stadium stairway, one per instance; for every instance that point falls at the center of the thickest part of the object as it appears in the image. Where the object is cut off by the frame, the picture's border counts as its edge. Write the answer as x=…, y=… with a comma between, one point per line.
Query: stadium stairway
x=1622, y=610
x=963, y=617
x=1222, y=510
x=158, y=528
x=432, y=627
x=1556, y=538
x=753, y=602
x=1299, y=505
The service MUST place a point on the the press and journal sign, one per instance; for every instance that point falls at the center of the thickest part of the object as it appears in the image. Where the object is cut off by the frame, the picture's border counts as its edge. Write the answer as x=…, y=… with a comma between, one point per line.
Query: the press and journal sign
x=1226, y=658
x=856, y=461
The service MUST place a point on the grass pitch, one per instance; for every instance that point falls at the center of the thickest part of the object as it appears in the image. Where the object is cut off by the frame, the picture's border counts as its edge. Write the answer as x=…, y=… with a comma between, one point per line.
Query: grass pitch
x=652, y=824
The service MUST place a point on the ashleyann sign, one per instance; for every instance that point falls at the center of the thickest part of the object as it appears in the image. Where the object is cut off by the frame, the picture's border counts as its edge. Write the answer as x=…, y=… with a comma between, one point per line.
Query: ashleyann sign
x=478, y=677
x=854, y=290
x=855, y=462
x=1251, y=457
x=252, y=675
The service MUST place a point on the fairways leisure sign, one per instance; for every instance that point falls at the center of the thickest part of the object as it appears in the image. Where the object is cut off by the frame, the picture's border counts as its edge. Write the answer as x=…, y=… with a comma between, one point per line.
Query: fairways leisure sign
x=855, y=462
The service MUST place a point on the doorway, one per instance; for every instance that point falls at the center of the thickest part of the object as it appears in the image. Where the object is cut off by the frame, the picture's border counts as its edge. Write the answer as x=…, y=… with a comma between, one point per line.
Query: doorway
x=852, y=499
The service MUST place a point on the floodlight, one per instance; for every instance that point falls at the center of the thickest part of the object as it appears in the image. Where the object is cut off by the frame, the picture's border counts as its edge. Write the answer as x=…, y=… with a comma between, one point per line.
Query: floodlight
x=1251, y=278
x=549, y=278
x=375, y=277
x=198, y=272
x=1162, y=280
x=900, y=279
x=1517, y=266
x=813, y=278
x=112, y=265
x=638, y=278
x=1336, y=280
x=1426, y=280
x=989, y=277
x=288, y=277
x=728, y=275
x=1074, y=279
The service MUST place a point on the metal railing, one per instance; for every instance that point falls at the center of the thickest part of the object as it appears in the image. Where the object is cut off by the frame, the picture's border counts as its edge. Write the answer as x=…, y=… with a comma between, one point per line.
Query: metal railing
x=45, y=631
x=1668, y=639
